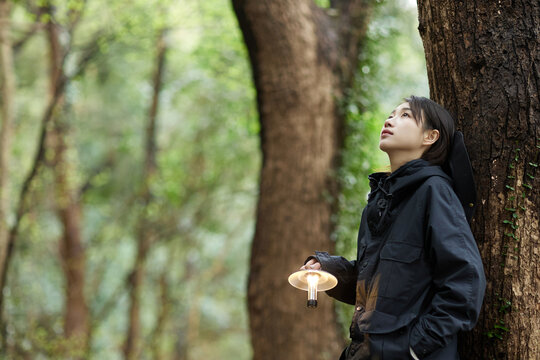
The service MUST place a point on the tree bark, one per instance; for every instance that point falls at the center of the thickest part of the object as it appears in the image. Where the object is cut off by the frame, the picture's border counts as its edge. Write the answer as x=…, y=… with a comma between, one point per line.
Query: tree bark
x=483, y=64
x=132, y=344
x=303, y=59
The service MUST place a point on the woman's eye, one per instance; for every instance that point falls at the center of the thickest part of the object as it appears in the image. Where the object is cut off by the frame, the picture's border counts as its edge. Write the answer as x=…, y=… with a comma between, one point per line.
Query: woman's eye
x=404, y=114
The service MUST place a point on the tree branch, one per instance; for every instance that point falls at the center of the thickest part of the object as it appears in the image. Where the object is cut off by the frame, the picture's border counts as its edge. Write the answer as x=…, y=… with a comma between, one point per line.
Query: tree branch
x=106, y=164
x=18, y=44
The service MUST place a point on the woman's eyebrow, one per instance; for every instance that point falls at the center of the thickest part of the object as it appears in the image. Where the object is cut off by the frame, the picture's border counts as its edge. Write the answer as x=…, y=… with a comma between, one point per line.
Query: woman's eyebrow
x=402, y=109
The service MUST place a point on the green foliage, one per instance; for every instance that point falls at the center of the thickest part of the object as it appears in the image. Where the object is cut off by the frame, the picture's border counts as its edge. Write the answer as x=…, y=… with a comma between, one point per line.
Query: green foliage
x=500, y=328
x=322, y=3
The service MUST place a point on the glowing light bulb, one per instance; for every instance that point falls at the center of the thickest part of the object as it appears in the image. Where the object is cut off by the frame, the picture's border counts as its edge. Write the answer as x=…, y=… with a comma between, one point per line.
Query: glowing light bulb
x=313, y=282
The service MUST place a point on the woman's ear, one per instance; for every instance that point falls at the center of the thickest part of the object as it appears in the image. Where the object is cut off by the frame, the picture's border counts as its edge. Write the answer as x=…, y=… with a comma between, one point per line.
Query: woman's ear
x=430, y=136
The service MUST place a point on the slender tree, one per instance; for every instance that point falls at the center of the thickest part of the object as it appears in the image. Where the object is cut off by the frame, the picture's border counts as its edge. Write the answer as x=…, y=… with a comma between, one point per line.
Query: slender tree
x=303, y=60
x=163, y=314
x=483, y=64
x=72, y=250
x=144, y=230
x=68, y=207
x=7, y=83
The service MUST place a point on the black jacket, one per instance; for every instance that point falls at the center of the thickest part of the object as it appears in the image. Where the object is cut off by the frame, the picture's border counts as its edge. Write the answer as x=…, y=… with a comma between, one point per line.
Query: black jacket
x=418, y=278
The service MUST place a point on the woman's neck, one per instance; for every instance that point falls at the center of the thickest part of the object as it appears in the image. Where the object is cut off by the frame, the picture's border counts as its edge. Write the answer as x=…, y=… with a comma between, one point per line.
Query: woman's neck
x=398, y=159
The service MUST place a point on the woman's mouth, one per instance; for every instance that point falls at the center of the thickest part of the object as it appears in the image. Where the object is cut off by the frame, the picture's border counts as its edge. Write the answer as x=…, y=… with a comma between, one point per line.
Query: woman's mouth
x=386, y=132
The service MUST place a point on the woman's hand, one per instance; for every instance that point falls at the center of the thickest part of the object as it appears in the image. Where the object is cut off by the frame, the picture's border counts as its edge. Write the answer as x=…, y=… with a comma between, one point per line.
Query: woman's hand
x=312, y=264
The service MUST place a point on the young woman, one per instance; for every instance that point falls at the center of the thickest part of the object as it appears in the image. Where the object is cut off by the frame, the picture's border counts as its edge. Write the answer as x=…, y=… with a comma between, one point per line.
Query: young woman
x=418, y=277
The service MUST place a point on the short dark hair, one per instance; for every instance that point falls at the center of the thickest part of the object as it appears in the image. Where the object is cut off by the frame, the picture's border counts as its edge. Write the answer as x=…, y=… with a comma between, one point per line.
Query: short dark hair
x=433, y=116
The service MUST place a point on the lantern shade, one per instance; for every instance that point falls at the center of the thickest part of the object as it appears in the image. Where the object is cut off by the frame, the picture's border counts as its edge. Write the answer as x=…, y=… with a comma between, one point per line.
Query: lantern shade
x=299, y=280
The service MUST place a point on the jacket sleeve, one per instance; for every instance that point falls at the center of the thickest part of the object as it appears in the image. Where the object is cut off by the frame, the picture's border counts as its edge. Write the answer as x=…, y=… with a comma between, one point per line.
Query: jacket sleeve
x=458, y=275
x=345, y=272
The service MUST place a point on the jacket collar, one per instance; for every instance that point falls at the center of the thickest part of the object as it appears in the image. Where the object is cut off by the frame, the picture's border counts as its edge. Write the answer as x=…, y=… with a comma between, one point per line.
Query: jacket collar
x=411, y=174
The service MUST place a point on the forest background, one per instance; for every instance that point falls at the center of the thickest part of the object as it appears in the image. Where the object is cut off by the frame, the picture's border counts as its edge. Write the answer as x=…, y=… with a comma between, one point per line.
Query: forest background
x=133, y=148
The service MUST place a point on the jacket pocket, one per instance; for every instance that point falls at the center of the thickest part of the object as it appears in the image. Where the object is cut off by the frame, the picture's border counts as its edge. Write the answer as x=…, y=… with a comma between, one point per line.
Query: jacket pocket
x=401, y=252
x=402, y=271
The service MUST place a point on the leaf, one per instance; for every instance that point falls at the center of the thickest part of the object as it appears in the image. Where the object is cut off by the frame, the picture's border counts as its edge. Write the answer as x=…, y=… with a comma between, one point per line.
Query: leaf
x=501, y=327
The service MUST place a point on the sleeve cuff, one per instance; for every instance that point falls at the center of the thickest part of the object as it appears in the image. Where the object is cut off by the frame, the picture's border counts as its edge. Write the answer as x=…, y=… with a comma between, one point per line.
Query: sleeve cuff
x=413, y=354
x=420, y=343
x=312, y=257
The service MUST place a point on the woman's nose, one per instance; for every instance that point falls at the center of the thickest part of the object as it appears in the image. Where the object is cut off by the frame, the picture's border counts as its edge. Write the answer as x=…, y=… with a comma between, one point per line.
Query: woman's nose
x=388, y=122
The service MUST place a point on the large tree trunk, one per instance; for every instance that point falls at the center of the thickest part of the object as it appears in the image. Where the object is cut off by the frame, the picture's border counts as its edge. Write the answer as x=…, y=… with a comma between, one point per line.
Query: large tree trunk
x=483, y=60
x=144, y=232
x=302, y=59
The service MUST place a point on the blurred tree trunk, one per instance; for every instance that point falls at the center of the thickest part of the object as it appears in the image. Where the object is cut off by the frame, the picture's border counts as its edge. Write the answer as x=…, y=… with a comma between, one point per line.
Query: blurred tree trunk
x=7, y=79
x=144, y=231
x=72, y=253
x=303, y=60
x=164, y=311
x=483, y=60
x=7, y=74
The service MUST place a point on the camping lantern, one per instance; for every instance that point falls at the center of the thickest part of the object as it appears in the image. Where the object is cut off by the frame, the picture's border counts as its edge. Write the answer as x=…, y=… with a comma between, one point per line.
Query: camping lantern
x=312, y=281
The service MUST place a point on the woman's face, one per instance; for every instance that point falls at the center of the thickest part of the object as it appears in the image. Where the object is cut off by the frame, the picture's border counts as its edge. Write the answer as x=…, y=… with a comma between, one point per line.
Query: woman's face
x=401, y=132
